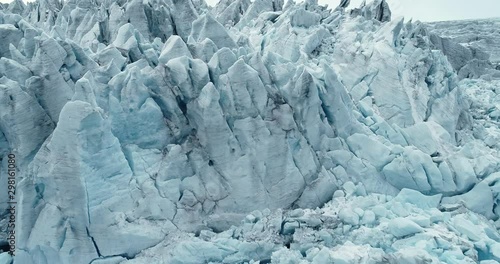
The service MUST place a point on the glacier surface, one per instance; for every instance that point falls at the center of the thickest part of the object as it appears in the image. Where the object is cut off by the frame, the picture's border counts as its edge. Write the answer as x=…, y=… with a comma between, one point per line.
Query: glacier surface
x=167, y=131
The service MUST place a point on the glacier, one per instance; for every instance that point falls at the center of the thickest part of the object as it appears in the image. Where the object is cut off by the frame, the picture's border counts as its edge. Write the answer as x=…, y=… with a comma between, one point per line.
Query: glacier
x=169, y=131
x=480, y=37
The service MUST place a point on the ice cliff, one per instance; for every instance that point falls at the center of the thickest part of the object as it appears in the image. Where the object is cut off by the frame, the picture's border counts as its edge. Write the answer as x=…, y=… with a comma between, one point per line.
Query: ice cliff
x=148, y=131
x=472, y=46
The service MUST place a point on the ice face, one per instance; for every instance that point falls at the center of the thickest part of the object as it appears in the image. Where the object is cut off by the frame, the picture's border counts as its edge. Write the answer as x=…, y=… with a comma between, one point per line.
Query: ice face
x=479, y=36
x=138, y=124
x=470, y=48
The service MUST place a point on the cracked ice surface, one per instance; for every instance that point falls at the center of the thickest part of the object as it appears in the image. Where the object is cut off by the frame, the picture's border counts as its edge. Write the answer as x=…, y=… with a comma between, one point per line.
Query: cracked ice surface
x=147, y=131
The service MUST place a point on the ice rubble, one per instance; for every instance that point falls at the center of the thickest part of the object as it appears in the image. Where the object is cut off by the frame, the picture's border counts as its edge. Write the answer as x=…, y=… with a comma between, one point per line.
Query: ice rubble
x=352, y=228
x=140, y=123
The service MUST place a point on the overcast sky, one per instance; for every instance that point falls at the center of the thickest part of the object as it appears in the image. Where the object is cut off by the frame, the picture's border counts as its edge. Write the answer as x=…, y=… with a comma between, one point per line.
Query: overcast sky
x=428, y=10
x=432, y=10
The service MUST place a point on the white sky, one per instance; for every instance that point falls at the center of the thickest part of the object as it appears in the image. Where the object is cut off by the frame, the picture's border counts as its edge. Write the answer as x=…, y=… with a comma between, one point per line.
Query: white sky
x=432, y=10
x=427, y=10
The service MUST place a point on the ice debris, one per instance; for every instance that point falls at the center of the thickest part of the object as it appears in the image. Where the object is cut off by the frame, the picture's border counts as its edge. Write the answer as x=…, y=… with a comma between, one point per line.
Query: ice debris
x=396, y=231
